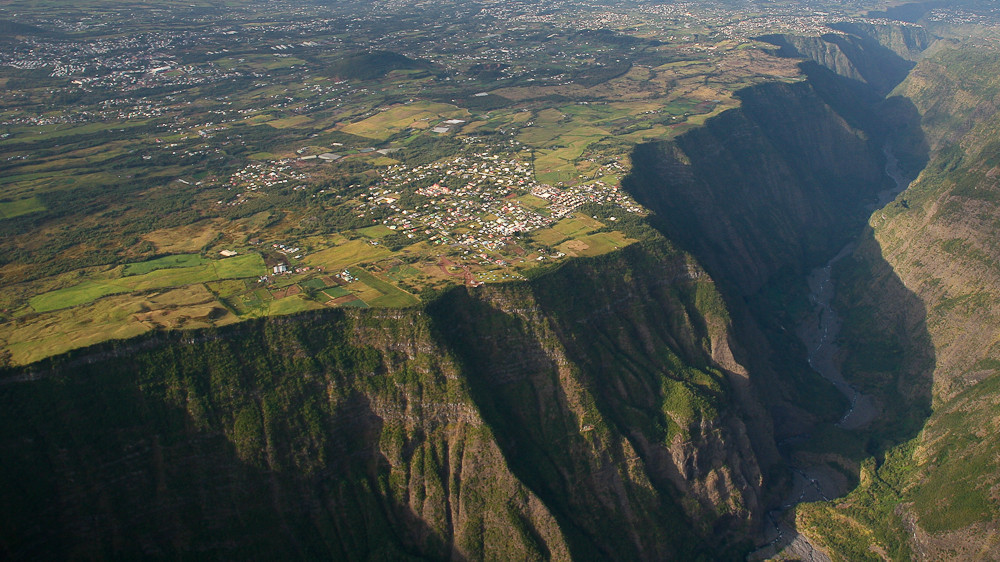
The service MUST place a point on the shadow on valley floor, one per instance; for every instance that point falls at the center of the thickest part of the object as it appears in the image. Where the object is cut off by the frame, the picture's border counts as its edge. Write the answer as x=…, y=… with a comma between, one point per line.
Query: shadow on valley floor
x=886, y=357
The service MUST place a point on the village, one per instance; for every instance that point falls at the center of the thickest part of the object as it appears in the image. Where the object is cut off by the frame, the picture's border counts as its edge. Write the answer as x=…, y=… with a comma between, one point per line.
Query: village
x=479, y=201
x=278, y=158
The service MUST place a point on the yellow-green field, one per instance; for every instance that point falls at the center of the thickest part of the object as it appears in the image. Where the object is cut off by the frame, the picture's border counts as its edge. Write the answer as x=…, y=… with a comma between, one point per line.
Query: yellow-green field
x=184, y=239
x=115, y=317
x=347, y=254
x=11, y=209
x=388, y=294
x=47, y=132
x=365, y=292
x=594, y=244
x=295, y=121
x=249, y=265
x=291, y=305
x=166, y=262
x=418, y=115
x=572, y=236
x=532, y=202
x=377, y=231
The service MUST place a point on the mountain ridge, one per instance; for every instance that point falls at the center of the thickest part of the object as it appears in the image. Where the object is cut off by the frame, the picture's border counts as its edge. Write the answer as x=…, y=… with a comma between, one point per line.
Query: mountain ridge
x=307, y=405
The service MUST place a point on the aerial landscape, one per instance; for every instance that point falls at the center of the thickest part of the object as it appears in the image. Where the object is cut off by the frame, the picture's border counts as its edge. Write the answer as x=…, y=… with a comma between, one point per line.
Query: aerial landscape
x=521, y=280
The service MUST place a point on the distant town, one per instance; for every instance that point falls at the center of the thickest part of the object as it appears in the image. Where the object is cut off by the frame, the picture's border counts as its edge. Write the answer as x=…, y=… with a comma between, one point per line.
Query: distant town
x=191, y=165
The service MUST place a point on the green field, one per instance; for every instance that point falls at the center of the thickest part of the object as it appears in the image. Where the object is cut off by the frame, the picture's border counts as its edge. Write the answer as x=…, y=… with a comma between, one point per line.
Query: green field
x=292, y=304
x=166, y=262
x=336, y=292
x=576, y=225
x=227, y=288
x=401, y=272
x=250, y=265
x=548, y=236
x=36, y=134
x=238, y=267
x=532, y=202
x=392, y=296
x=570, y=227
x=602, y=243
x=11, y=209
x=113, y=317
x=347, y=254
x=73, y=296
x=418, y=115
x=314, y=284
x=377, y=231
x=295, y=121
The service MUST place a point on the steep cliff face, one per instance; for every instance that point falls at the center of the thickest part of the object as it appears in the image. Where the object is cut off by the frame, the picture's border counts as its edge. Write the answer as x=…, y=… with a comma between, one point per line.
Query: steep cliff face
x=933, y=255
x=303, y=439
x=775, y=184
x=877, y=55
x=732, y=193
x=955, y=90
x=533, y=420
x=642, y=364
x=907, y=41
x=761, y=195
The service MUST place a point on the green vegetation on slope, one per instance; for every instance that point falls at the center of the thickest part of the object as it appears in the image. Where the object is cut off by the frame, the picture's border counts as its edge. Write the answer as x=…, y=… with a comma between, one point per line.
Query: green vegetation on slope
x=919, y=333
x=397, y=434
x=367, y=66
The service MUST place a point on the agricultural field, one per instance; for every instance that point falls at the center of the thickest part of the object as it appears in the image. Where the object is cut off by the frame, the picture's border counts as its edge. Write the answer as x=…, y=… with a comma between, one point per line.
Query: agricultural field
x=393, y=120
x=16, y=208
x=347, y=254
x=284, y=165
x=172, y=271
x=166, y=262
x=116, y=317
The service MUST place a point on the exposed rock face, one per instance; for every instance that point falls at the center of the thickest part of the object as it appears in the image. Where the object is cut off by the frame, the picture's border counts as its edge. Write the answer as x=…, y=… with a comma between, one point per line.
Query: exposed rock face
x=908, y=41
x=534, y=420
x=877, y=55
x=633, y=364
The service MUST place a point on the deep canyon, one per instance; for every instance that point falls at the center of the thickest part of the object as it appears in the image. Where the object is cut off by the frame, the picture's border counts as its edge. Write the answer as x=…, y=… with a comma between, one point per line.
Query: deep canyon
x=774, y=341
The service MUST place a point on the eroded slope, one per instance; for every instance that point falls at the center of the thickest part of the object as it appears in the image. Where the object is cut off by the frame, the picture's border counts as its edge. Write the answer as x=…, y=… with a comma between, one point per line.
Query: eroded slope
x=590, y=413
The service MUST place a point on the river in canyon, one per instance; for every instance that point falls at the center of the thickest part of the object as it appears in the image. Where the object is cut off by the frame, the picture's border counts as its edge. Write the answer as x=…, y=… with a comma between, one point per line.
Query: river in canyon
x=818, y=332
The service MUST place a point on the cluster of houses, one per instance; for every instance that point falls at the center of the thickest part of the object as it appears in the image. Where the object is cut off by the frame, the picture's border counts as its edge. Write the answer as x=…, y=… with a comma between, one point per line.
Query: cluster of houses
x=564, y=201
x=262, y=175
x=473, y=200
x=285, y=269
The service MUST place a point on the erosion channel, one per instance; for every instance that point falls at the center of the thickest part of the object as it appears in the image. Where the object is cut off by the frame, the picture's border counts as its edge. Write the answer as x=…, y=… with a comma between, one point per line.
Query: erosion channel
x=818, y=331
